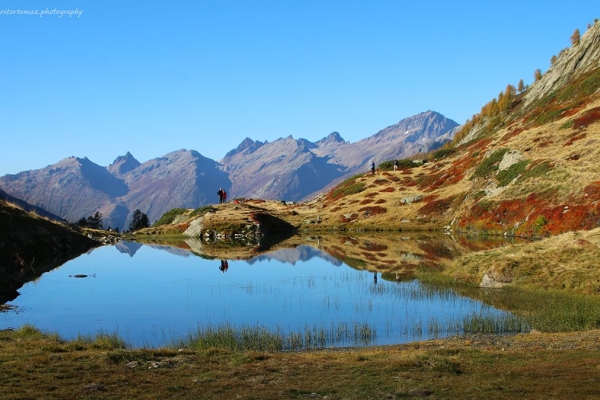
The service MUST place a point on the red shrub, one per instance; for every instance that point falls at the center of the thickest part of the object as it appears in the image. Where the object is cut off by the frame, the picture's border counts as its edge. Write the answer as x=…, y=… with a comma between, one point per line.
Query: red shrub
x=373, y=210
x=587, y=119
x=574, y=138
x=437, y=207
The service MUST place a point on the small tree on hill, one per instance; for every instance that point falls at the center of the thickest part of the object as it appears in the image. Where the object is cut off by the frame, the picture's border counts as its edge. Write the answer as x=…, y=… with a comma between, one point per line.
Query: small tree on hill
x=575, y=37
x=93, y=221
x=537, y=74
x=138, y=221
x=521, y=86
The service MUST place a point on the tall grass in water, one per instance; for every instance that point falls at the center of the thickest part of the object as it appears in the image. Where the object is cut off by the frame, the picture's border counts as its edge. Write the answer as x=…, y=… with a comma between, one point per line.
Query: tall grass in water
x=262, y=339
x=558, y=312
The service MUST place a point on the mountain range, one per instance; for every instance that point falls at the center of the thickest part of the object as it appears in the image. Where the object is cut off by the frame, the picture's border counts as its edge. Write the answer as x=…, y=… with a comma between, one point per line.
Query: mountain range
x=285, y=169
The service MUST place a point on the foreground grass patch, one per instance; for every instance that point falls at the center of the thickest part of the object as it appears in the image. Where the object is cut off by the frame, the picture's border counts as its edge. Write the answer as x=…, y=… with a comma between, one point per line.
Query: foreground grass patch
x=36, y=365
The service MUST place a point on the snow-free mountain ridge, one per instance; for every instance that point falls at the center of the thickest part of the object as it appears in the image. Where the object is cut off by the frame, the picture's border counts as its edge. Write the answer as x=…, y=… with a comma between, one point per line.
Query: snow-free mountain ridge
x=285, y=169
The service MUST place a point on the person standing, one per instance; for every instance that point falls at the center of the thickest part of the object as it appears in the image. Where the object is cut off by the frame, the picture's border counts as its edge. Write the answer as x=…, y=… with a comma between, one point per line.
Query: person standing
x=373, y=167
x=220, y=194
x=395, y=164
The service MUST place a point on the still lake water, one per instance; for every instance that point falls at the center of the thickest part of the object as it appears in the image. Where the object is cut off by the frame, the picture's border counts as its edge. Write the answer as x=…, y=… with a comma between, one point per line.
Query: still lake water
x=152, y=295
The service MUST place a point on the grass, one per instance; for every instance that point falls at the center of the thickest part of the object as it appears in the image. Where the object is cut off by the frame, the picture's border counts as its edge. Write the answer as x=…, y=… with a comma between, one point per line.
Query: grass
x=169, y=216
x=35, y=365
x=259, y=338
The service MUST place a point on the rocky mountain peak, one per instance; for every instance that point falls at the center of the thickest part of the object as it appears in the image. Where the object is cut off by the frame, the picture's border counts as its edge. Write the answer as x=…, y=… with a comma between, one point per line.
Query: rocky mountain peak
x=247, y=144
x=333, y=137
x=123, y=164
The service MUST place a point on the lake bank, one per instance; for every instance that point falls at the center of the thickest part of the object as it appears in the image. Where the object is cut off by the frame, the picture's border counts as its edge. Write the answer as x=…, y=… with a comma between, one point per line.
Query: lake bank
x=537, y=365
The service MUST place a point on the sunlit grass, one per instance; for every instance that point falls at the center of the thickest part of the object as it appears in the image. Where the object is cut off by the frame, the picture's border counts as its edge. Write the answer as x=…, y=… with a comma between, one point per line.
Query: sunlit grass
x=259, y=338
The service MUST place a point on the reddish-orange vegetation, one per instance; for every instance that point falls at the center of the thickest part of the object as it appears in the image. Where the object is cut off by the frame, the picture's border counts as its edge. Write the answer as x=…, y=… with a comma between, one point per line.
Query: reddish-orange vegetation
x=587, y=119
x=592, y=191
x=435, y=250
x=369, y=256
x=534, y=215
x=409, y=182
x=374, y=247
x=369, y=195
x=574, y=138
x=374, y=210
x=437, y=207
x=334, y=209
x=388, y=189
x=366, y=201
x=381, y=181
x=429, y=197
x=406, y=172
x=380, y=201
x=511, y=134
x=568, y=218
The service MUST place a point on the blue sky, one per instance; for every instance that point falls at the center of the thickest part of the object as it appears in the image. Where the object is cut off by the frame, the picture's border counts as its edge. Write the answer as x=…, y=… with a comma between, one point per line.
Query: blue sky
x=154, y=77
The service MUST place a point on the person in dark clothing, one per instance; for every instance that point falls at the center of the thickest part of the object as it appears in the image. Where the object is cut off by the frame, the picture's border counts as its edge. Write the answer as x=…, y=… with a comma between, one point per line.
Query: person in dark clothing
x=395, y=164
x=373, y=167
x=220, y=194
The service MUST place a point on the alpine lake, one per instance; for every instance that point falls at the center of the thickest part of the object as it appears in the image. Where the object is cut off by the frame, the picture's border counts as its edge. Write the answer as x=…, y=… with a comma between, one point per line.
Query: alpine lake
x=302, y=292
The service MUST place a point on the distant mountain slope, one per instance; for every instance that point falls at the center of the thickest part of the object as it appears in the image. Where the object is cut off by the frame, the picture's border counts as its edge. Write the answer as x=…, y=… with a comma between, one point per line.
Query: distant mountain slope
x=76, y=187
x=292, y=169
x=285, y=169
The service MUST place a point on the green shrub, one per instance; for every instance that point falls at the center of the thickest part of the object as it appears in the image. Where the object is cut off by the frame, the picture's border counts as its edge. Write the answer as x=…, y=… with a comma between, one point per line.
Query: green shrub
x=536, y=171
x=402, y=164
x=441, y=153
x=506, y=176
x=490, y=164
x=169, y=216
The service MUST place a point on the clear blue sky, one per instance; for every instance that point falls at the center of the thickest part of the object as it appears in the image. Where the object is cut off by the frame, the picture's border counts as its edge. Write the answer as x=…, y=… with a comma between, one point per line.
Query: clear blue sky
x=153, y=77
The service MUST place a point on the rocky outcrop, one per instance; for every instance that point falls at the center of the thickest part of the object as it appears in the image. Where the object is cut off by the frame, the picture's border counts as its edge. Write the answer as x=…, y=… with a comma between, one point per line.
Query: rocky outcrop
x=573, y=61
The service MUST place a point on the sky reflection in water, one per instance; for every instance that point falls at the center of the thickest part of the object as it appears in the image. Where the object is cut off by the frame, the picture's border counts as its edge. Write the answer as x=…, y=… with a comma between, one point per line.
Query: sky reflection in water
x=151, y=296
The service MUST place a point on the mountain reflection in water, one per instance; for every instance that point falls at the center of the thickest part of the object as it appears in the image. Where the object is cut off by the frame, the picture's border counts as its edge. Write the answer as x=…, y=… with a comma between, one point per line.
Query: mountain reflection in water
x=164, y=291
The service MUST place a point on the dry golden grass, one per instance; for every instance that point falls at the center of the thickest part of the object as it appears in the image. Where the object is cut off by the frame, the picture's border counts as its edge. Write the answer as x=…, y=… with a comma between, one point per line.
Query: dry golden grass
x=568, y=261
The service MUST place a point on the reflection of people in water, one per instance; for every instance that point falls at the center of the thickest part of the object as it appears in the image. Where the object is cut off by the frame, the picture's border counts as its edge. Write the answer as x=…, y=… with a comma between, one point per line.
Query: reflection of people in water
x=224, y=266
x=375, y=278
